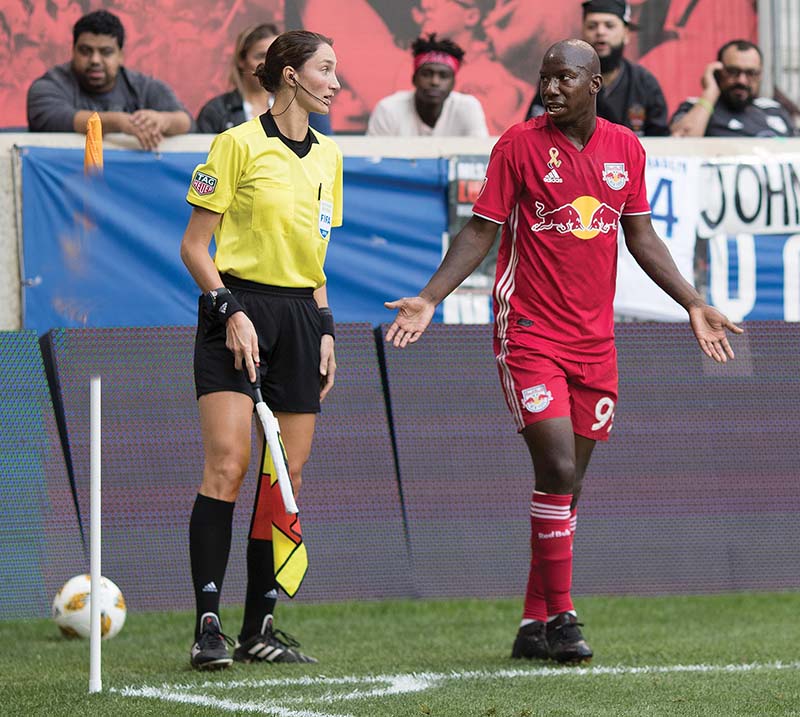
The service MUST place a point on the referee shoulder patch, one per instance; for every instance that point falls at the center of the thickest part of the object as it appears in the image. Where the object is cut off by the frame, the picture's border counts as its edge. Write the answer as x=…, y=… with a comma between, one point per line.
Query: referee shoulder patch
x=204, y=183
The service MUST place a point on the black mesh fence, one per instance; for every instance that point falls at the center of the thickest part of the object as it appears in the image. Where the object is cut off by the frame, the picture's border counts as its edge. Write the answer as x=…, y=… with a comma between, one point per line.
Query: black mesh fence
x=350, y=502
x=464, y=472
x=151, y=453
x=152, y=464
x=697, y=490
x=40, y=541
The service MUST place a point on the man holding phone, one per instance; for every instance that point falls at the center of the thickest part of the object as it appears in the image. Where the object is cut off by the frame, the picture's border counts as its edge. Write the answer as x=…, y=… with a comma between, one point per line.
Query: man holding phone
x=729, y=105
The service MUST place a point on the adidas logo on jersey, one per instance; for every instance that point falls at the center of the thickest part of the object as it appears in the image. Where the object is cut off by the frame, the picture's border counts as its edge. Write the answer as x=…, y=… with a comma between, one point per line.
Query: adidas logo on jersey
x=210, y=587
x=552, y=177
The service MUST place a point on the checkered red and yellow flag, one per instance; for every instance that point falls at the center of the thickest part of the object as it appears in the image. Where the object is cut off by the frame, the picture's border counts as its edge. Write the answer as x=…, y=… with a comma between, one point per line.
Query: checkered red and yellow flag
x=272, y=522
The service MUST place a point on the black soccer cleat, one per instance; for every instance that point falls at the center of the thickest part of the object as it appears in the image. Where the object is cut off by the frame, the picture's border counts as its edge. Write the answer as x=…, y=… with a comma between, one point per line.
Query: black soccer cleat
x=531, y=642
x=270, y=645
x=565, y=641
x=210, y=652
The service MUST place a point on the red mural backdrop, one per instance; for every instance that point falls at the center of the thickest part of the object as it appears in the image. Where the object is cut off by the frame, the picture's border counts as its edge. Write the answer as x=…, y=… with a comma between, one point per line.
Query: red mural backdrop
x=187, y=43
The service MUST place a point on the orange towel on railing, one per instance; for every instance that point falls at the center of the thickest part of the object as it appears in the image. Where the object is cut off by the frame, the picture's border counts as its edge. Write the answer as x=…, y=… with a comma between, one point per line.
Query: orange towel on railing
x=93, y=154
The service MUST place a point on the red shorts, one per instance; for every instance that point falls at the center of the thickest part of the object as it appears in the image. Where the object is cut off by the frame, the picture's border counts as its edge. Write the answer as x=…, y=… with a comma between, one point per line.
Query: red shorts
x=538, y=387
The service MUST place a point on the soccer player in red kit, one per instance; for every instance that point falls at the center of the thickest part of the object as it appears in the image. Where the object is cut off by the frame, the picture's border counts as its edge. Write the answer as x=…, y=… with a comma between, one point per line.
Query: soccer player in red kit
x=560, y=185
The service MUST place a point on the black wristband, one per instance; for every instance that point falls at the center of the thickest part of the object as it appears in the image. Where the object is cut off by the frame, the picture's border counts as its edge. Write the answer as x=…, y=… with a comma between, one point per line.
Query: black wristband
x=221, y=304
x=327, y=324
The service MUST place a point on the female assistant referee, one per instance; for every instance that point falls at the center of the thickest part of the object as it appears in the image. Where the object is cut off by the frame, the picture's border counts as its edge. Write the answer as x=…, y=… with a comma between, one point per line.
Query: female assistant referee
x=270, y=191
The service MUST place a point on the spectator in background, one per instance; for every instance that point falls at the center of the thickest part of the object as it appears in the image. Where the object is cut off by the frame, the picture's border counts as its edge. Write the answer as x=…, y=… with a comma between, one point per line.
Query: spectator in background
x=631, y=95
x=500, y=93
x=729, y=105
x=365, y=81
x=248, y=98
x=96, y=81
x=432, y=107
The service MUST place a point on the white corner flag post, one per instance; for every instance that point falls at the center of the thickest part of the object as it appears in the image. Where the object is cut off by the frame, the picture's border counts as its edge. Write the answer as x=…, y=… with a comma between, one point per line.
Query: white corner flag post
x=95, y=634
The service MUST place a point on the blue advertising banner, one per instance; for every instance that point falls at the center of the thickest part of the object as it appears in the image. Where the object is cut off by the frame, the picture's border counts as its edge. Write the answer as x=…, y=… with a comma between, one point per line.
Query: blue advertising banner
x=103, y=251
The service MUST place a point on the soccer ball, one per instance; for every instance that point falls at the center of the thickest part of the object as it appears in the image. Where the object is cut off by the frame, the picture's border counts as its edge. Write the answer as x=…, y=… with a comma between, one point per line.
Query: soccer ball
x=72, y=610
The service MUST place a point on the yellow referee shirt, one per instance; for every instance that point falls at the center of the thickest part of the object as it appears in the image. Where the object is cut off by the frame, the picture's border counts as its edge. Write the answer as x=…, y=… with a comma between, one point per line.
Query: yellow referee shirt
x=278, y=204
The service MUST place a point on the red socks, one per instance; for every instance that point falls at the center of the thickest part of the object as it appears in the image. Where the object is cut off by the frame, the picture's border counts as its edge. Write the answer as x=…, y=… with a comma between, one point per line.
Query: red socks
x=550, y=577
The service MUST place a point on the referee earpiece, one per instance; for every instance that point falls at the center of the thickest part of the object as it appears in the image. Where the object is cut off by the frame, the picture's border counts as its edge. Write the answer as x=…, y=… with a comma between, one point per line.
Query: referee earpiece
x=297, y=84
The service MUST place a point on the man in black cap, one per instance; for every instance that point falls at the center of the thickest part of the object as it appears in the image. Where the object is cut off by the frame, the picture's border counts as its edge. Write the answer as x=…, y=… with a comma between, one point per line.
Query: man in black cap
x=631, y=95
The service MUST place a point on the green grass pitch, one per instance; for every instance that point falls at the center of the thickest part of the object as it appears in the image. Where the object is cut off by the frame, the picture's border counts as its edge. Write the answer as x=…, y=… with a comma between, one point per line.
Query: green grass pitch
x=721, y=655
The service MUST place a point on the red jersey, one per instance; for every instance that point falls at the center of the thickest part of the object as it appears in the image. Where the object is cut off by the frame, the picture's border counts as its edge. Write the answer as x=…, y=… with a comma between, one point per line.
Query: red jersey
x=560, y=209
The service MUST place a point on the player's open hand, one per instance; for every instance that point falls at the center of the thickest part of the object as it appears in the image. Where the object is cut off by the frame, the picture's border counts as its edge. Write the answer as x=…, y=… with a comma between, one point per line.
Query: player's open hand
x=710, y=326
x=413, y=316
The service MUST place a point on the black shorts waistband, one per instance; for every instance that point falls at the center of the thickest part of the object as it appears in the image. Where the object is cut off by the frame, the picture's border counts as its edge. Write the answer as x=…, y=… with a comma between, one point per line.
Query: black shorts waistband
x=234, y=282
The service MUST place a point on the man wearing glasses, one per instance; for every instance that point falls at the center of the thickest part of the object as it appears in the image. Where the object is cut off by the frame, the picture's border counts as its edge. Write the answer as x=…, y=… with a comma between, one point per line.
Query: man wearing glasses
x=729, y=105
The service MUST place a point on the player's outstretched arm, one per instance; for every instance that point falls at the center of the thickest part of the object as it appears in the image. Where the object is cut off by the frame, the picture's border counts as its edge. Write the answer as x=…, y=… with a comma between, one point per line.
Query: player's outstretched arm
x=708, y=324
x=467, y=250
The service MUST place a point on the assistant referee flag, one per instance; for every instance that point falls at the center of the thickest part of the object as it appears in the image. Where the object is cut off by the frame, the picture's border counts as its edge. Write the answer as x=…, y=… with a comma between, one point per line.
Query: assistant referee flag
x=272, y=522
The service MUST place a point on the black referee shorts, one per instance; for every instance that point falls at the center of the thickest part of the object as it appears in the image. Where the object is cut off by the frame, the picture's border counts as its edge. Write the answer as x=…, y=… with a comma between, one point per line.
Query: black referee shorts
x=287, y=323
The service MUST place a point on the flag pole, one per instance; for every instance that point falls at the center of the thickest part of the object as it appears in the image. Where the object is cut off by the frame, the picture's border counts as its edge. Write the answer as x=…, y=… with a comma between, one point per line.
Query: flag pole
x=95, y=633
x=93, y=164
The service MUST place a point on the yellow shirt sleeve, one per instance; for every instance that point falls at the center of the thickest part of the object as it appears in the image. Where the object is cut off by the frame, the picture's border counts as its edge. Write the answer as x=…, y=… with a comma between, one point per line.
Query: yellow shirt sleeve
x=214, y=183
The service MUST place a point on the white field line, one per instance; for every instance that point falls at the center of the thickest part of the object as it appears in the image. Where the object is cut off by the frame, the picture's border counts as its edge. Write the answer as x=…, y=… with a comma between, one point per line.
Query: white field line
x=266, y=707
x=386, y=685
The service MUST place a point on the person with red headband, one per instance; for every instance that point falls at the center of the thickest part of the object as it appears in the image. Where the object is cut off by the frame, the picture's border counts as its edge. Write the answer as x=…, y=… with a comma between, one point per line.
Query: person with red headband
x=432, y=108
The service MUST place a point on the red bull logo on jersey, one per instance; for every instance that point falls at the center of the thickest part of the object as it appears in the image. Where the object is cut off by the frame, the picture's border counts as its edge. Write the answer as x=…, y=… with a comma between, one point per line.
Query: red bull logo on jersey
x=537, y=398
x=615, y=175
x=584, y=217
